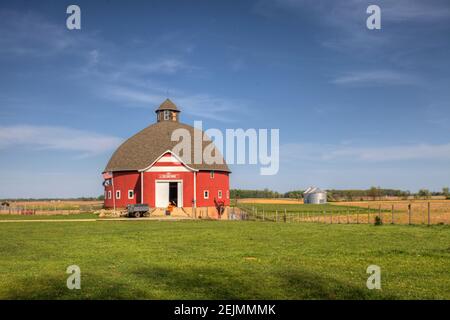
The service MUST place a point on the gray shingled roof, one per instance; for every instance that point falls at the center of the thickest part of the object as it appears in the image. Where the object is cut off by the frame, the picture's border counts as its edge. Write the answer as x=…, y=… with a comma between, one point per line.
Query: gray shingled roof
x=142, y=149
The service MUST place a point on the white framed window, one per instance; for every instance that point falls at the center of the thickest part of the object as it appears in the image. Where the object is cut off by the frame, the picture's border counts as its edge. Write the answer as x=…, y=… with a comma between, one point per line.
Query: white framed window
x=118, y=194
x=109, y=194
x=130, y=194
x=219, y=194
x=166, y=115
x=205, y=194
x=211, y=174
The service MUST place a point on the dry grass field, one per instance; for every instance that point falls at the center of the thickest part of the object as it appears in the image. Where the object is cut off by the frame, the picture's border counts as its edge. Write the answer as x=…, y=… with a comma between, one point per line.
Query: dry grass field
x=439, y=210
x=51, y=207
x=352, y=212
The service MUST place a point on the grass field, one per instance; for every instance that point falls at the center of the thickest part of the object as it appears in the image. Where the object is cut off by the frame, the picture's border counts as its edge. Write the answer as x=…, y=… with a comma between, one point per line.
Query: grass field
x=358, y=211
x=222, y=260
x=53, y=216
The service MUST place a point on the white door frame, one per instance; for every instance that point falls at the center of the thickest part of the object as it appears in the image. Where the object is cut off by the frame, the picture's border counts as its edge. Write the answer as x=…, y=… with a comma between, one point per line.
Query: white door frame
x=180, y=190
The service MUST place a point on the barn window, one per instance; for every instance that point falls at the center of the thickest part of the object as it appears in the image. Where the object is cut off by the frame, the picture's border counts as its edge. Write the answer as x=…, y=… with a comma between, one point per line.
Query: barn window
x=109, y=194
x=166, y=115
x=206, y=194
x=219, y=194
x=130, y=194
x=211, y=174
x=118, y=194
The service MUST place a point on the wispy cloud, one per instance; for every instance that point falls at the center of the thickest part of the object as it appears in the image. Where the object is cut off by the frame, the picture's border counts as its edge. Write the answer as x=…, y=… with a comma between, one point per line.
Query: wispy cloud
x=291, y=152
x=30, y=34
x=201, y=105
x=376, y=78
x=56, y=138
x=163, y=66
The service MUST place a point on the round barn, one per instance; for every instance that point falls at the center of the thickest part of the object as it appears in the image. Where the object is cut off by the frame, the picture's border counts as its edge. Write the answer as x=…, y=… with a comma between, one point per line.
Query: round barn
x=145, y=169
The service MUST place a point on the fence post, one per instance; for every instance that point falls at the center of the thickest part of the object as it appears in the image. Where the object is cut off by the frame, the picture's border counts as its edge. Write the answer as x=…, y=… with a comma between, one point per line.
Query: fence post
x=276, y=216
x=285, y=215
x=298, y=216
x=357, y=217
x=263, y=215
x=379, y=211
x=392, y=212
x=429, y=213
x=409, y=213
x=331, y=217
x=347, y=216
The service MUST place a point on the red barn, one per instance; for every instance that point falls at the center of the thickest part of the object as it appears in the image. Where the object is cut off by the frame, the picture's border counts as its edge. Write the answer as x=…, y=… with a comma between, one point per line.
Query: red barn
x=145, y=169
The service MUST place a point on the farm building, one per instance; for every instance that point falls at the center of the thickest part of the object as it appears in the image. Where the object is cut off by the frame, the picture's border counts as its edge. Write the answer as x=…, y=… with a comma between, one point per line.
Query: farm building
x=145, y=169
x=314, y=195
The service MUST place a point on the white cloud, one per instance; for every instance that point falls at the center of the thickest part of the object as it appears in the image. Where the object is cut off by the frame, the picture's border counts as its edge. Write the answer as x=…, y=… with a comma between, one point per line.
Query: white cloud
x=292, y=152
x=377, y=77
x=163, y=65
x=56, y=138
x=32, y=35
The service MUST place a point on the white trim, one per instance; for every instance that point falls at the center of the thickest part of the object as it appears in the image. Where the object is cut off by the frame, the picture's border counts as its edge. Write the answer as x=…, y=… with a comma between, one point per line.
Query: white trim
x=195, y=189
x=132, y=194
x=114, y=193
x=168, y=169
x=174, y=155
x=180, y=200
x=118, y=194
x=142, y=187
x=109, y=194
x=169, y=159
x=205, y=191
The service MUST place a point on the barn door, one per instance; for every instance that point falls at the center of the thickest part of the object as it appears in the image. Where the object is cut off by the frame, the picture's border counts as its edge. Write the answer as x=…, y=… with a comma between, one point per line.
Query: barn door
x=162, y=195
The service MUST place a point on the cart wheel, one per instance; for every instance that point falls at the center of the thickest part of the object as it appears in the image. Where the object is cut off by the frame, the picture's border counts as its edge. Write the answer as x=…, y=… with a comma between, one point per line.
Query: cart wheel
x=136, y=214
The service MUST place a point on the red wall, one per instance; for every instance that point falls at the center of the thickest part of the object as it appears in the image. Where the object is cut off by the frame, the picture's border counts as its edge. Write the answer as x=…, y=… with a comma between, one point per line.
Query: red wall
x=220, y=181
x=125, y=181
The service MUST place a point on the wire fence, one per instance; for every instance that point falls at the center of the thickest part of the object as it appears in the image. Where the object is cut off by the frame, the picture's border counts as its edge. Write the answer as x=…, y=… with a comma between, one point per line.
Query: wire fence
x=48, y=208
x=423, y=213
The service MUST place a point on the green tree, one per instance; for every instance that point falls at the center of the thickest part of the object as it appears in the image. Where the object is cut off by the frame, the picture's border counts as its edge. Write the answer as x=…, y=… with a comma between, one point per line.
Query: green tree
x=424, y=193
x=373, y=192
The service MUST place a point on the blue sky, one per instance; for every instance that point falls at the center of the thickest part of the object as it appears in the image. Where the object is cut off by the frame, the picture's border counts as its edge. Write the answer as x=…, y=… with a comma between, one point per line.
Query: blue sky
x=355, y=107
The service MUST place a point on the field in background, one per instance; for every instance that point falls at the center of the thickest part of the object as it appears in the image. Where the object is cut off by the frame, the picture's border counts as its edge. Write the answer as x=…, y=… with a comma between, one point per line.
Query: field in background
x=348, y=212
x=271, y=201
x=51, y=207
x=222, y=260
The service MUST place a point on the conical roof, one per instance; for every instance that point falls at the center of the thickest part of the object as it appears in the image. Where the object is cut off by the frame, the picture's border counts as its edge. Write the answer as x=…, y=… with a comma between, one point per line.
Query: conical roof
x=167, y=105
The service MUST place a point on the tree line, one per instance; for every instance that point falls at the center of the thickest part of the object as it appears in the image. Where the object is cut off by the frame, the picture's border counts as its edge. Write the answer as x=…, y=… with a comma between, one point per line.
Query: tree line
x=373, y=193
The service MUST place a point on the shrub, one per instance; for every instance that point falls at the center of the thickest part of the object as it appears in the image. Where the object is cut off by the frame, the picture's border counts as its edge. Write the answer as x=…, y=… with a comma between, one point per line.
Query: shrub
x=378, y=221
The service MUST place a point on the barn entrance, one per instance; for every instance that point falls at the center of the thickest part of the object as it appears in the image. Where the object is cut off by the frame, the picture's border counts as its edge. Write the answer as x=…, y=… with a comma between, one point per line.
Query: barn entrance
x=167, y=192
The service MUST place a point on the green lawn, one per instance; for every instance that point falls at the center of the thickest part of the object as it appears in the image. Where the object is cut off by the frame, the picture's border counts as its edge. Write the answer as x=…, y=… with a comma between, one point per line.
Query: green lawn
x=295, y=209
x=222, y=260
